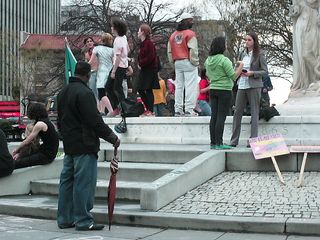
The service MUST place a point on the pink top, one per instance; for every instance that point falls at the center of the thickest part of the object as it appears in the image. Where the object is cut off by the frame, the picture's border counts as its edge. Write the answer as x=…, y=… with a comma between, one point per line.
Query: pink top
x=171, y=87
x=121, y=48
x=203, y=84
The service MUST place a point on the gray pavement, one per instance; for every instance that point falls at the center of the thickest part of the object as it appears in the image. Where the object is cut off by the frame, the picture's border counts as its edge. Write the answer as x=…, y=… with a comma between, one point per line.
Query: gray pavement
x=12, y=228
x=252, y=194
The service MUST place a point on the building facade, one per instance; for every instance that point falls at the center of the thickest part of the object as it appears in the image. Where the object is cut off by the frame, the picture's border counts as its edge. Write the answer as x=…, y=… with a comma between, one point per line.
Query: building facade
x=16, y=16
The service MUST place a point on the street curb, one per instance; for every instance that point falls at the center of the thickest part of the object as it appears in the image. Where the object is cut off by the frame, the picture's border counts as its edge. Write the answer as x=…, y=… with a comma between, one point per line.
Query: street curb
x=183, y=221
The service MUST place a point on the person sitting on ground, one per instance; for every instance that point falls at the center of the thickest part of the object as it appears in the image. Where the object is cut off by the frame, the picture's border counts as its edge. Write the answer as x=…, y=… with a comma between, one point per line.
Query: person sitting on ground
x=6, y=160
x=203, y=98
x=44, y=129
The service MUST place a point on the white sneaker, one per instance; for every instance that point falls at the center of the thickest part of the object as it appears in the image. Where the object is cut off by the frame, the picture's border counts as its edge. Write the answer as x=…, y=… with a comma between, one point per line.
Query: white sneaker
x=191, y=114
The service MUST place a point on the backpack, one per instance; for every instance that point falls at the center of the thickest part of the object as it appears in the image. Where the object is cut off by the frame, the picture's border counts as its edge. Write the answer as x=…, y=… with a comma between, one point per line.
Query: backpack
x=131, y=108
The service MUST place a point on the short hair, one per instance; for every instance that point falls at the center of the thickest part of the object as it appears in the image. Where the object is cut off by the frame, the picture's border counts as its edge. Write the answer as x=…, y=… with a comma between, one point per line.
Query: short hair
x=145, y=28
x=82, y=68
x=120, y=26
x=107, y=39
x=37, y=111
x=218, y=46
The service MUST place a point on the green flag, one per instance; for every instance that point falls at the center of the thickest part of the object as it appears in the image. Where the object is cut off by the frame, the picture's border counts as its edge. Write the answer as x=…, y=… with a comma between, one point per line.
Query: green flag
x=70, y=62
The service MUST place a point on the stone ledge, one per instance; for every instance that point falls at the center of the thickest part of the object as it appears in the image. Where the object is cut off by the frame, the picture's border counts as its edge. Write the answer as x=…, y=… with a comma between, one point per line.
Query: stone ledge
x=182, y=179
x=19, y=181
x=195, y=130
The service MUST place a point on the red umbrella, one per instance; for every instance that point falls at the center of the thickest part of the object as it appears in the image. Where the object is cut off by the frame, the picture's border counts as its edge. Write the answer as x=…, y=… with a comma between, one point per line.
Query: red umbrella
x=112, y=185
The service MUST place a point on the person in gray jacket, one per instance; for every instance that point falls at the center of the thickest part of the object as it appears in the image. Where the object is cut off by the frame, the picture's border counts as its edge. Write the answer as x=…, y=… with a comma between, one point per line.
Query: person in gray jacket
x=249, y=86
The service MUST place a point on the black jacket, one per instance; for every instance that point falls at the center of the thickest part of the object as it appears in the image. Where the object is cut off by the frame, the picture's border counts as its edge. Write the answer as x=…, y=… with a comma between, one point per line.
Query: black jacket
x=79, y=121
x=6, y=161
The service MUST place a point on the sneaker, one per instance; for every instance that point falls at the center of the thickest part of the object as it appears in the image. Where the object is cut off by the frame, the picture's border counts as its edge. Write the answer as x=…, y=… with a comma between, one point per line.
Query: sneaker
x=66, y=225
x=147, y=114
x=178, y=114
x=92, y=227
x=191, y=114
x=213, y=146
x=115, y=113
x=223, y=147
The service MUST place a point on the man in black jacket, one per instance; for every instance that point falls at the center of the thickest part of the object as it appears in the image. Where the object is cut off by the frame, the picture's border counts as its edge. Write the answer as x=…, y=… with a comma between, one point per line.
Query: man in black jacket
x=6, y=160
x=81, y=126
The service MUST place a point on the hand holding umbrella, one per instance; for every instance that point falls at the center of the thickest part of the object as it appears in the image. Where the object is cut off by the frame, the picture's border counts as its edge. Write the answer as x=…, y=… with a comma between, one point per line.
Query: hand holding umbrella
x=112, y=183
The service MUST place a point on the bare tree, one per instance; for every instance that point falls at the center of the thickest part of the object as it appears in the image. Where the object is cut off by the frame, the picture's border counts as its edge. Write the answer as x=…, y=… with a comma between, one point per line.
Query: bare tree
x=269, y=19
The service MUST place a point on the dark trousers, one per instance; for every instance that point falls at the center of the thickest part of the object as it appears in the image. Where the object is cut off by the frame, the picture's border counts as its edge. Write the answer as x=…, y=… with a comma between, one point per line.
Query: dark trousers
x=32, y=160
x=220, y=106
x=148, y=98
x=114, y=87
x=5, y=172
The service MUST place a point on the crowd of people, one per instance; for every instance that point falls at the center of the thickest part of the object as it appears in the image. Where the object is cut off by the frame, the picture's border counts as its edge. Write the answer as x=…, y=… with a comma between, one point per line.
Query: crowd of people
x=100, y=87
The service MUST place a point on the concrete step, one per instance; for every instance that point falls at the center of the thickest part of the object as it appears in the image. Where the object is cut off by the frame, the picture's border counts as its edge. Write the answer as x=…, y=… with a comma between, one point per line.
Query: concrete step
x=125, y=190
x=242, y=159
x=130, y=214
x=296, y=130
x=154, y=153
x=136, y=172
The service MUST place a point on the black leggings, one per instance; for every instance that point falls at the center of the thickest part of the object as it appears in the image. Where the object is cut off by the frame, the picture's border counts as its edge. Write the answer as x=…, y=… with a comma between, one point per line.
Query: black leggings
x=5, y=172
x=148, y=98
x=32, y=160
x=114, y=87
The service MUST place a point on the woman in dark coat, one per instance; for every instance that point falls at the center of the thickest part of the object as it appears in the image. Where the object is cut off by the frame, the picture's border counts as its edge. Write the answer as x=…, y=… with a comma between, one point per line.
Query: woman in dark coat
x=44, y=129
x=148, y=64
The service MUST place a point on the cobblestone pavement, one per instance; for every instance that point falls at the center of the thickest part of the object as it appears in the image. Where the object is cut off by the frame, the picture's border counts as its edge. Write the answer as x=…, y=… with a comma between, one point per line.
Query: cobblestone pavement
x=252, y=194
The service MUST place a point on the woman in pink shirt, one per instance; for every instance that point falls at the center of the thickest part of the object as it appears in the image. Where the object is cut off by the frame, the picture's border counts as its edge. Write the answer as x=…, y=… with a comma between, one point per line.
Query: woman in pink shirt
x=120, y=63
x=203, y=98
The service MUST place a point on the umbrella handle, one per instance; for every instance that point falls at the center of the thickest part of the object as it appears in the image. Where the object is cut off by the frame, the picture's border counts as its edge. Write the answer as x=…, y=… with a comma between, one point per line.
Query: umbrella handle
x=115, y=151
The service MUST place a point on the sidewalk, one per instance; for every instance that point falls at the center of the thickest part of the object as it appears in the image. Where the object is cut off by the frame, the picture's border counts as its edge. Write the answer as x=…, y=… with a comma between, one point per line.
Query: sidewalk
x=12, y=228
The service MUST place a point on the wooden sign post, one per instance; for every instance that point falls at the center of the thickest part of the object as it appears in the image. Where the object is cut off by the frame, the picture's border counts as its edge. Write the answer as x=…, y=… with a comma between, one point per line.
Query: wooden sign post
x=269, y=146
x=305, y=150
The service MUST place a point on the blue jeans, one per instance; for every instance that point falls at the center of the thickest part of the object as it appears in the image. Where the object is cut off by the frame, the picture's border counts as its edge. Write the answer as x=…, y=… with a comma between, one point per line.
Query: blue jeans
x=77, y=189
x=205, y=108
x=158, y=109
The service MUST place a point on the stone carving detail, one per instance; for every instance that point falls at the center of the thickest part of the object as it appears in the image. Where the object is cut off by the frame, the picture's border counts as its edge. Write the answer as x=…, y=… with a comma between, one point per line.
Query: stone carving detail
x=306, y=49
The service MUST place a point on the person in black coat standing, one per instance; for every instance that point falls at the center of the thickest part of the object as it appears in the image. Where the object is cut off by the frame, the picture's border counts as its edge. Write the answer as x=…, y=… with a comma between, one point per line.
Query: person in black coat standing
x=6, y=160
x=81, y=126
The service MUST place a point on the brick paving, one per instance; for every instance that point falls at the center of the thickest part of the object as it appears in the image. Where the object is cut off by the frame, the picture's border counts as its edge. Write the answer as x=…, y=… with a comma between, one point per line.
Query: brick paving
x=250, y=194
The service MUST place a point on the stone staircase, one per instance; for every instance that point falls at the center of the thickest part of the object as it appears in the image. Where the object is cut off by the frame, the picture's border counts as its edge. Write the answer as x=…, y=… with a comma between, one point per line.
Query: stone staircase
x=131, y=178
x=161, y=159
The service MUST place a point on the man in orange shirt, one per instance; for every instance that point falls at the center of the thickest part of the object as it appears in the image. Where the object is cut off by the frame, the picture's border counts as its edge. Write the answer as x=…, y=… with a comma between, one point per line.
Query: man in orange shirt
x=183, y=52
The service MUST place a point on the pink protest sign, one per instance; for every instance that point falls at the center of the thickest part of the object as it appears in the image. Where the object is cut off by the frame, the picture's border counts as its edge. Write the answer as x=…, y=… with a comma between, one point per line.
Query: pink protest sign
x=268, y=146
